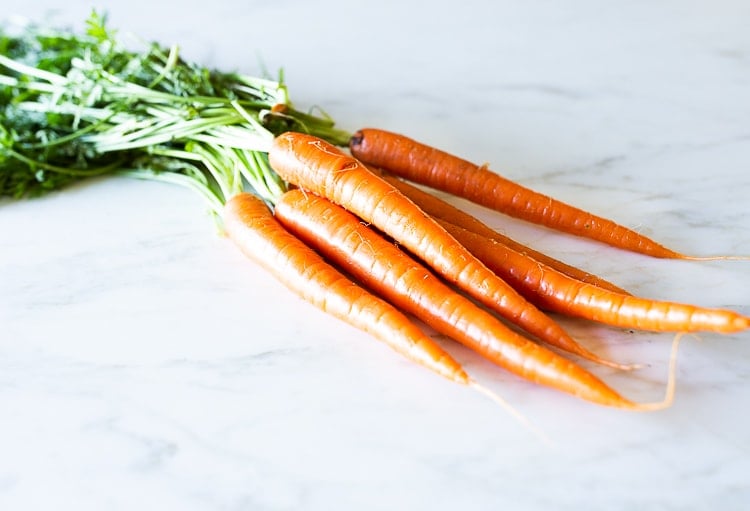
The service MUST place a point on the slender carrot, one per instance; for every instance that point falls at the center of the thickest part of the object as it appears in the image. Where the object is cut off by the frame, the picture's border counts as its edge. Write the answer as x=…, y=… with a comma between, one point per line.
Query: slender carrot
x=251, y=225
x=383, y=267
x=555, y=291
x=321, y=168
x=441, y=209
x=437, y=169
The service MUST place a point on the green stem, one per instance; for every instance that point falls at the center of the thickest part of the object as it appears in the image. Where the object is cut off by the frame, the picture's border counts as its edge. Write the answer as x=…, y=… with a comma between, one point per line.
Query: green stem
x=163, y=133
x=250, y=119
x=220, y=171
x=21, y=68
x=66, y=138
x=64, y=170
x=170, y=64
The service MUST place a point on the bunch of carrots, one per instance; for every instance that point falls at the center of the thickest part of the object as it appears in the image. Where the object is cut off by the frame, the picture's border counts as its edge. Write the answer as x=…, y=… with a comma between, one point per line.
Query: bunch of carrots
x=417, y=254
x=337, y=217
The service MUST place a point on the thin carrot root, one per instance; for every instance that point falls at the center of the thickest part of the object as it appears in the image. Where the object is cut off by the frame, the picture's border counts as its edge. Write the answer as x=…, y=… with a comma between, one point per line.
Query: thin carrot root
x=515, y=413
x=671, y=382
x=588, y=355
x=715, y=258
x=630, y=367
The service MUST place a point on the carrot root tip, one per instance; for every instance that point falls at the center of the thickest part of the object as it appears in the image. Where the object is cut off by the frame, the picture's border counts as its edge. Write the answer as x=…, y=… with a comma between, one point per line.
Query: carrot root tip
x=633, y=367
x=616, y=365
x=516, y=414
x=669, y=394
x=715, y=258
x=741, y=323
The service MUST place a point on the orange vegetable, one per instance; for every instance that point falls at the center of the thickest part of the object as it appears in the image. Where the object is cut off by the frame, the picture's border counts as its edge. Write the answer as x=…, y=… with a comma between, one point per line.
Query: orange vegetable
x=383, y=267
x=555, y=291
x=441, y=209
x=432, y=167
x=252, y=227
x=317, y=166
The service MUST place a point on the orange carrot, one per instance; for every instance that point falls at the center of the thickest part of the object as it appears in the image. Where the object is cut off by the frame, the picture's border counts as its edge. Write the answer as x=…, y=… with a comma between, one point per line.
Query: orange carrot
x=555, y=291
x=441, y=209
x=250, y=224
x=437, y=169
x=384, y=268
x=317, y=166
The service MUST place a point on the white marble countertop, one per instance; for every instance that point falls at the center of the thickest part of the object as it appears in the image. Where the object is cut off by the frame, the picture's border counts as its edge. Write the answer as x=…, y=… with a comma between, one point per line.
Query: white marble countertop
x=145, y=364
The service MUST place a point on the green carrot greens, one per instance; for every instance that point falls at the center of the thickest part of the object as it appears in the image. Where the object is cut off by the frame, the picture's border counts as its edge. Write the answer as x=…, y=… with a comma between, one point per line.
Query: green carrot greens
x=77, y=105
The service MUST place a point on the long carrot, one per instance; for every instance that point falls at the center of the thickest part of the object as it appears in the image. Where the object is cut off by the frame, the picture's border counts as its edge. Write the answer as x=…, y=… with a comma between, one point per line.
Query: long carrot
x=251, y=225
x=384, y=268
x=441, y=209
x=555, y=291
x=437, y=169
x=321, y=168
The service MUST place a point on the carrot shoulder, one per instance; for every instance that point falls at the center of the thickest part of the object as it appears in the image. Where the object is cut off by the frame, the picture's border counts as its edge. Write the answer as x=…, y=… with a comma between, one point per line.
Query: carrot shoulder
x=432, y=167
x=252, y=227
x=555, y=291
x=389, y=272
x=317, y=166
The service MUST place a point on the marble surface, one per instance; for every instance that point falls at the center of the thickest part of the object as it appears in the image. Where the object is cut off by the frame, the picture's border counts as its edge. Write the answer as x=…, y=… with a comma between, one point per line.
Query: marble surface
x=145, y=364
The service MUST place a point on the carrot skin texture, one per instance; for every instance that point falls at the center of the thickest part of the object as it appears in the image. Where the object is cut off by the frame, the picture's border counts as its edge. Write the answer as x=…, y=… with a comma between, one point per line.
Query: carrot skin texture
x=391, y=273
x=440, y=209
x=319, y=167
x=252, y=227
x=432, y=167
x=555, y=291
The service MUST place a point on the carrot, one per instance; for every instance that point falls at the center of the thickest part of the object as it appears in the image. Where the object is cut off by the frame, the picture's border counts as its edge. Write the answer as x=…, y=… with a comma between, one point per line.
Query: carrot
x=555, y=291
x=383, y=267
x=441, y=209
x=252, y=227
x=437, y=169
x=317, y=166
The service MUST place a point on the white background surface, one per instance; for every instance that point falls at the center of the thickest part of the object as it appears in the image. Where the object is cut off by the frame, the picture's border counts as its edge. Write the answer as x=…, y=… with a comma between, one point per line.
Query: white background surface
x=145, y=364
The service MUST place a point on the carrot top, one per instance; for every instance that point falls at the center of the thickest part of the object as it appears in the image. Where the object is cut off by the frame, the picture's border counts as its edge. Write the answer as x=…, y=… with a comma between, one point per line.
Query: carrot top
x=74, y=105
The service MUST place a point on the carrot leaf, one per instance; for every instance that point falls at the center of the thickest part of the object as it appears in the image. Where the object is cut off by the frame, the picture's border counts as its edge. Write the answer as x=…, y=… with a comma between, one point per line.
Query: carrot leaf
x=74, y=105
